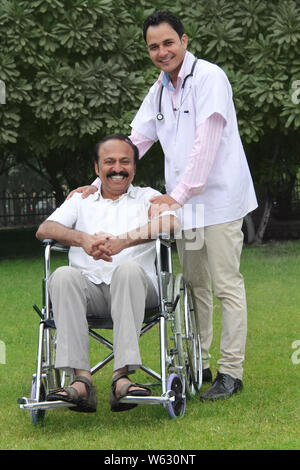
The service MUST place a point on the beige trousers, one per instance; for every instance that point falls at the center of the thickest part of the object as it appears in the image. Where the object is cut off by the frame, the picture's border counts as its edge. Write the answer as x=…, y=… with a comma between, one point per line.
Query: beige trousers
x=216, y=262
x=74, y=297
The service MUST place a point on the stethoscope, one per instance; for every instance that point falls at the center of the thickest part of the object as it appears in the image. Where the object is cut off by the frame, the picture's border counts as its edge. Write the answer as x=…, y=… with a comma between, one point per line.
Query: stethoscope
x=160, y=115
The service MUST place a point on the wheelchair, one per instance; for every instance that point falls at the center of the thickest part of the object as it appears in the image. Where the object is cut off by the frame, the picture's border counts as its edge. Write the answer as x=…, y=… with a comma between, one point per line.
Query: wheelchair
x=180, y=374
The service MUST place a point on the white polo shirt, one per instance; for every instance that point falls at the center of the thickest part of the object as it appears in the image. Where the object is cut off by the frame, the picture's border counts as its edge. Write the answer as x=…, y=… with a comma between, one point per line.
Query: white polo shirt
x=229, y=193
x=96, y=214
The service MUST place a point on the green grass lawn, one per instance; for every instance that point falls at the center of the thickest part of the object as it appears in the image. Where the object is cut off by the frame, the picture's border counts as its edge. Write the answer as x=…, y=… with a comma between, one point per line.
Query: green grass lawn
x=264, y=416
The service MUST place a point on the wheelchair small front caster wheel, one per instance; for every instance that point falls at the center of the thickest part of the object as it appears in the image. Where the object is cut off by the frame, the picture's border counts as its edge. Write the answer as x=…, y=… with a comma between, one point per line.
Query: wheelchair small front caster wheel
x=37, y=416
x=176, y=409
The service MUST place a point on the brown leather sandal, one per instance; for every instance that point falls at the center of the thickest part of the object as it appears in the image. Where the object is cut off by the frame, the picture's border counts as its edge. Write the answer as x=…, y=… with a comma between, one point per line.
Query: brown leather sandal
x=114, y=401
x=84, y=404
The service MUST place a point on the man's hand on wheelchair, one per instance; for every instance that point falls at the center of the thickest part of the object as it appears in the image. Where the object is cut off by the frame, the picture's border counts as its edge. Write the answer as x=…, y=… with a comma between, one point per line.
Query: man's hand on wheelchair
x=160, y=204
x=85, y=190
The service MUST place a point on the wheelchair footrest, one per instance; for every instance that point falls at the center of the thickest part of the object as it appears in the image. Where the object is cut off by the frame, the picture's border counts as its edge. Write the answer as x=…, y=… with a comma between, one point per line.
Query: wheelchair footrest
x=169, y=397
x=32, y=405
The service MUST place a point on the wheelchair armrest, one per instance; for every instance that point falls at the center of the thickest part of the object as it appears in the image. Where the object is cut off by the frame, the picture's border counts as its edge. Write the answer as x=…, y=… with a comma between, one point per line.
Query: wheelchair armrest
x=162, y=236
x=55, y=245
x=49, y=241
x=165, y=239
x=163, y=253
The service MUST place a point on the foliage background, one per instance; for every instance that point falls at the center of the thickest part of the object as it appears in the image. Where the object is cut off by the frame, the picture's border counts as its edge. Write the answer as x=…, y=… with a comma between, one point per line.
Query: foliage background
x=78, y=70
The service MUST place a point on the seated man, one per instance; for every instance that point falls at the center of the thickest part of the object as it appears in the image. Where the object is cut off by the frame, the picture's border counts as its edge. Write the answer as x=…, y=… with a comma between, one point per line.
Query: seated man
x=111, y=272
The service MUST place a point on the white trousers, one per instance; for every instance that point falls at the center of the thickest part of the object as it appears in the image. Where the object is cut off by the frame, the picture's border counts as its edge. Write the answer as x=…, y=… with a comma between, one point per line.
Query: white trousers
x=217, y=264
x=74, y=297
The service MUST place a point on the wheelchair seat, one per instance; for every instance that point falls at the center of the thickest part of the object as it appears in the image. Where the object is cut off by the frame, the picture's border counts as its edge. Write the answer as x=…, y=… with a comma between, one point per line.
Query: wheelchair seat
x=107, y=324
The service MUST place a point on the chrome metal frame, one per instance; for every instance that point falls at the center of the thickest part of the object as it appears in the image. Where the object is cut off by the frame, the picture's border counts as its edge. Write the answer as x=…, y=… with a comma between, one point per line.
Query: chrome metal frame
x=45, y=365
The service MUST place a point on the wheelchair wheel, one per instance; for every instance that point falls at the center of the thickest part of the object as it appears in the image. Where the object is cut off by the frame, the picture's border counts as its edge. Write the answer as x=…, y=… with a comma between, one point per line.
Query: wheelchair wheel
x=176, y=409
x=187, y=337
x=37, y=416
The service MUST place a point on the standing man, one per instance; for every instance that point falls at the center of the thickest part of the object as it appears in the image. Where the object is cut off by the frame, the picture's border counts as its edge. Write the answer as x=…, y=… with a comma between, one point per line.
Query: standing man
x=190, y=110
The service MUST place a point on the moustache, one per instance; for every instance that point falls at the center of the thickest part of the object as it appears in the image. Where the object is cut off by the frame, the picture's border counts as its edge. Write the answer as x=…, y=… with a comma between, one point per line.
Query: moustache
x=121, y=173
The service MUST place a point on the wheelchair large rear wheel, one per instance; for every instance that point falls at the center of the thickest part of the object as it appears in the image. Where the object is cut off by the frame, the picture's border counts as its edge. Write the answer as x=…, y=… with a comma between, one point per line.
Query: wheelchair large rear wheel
x=187, y=337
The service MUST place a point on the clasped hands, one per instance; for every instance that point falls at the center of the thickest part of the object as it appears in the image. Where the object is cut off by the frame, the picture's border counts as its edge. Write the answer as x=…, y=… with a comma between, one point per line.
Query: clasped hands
x=103, y=245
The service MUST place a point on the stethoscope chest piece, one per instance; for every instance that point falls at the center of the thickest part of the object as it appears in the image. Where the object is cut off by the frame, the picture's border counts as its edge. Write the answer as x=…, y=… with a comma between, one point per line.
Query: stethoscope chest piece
x=160, y=115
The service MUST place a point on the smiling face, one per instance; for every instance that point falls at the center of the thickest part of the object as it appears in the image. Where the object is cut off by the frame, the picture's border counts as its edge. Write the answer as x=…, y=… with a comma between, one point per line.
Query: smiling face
x=115, y=168
x=166, y=49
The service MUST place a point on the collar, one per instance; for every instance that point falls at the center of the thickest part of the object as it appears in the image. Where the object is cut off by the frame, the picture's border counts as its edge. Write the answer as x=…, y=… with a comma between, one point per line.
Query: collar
x=167, y=82
x=131, y=191
x=185, y=69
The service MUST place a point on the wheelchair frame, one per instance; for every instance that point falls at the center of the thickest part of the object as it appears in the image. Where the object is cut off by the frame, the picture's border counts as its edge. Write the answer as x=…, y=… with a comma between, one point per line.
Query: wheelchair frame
x=180, y=374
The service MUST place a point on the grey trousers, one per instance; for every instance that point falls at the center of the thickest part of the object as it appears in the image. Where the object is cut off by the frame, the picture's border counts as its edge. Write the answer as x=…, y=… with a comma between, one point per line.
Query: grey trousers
x=217, y=263
x=74, y=297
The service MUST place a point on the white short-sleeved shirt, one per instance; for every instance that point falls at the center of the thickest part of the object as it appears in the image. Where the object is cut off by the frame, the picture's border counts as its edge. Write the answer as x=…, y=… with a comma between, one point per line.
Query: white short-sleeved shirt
x=229, y=193
x=96, y=214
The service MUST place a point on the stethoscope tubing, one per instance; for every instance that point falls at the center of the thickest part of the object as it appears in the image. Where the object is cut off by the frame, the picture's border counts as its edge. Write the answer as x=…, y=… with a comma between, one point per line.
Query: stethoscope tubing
x=160, y=115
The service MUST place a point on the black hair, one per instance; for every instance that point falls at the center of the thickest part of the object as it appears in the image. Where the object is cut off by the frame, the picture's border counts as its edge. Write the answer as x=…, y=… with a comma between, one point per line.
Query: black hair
x=122, y=137
x=163, y=16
